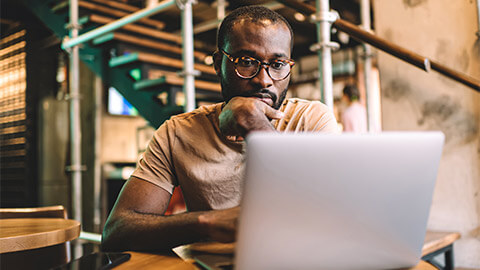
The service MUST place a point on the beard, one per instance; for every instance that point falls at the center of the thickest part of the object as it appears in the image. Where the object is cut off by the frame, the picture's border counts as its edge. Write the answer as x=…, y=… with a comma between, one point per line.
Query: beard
x=265, y=93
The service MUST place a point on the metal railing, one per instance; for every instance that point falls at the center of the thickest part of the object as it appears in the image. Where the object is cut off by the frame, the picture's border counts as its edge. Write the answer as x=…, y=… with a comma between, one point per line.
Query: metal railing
x=389, y=47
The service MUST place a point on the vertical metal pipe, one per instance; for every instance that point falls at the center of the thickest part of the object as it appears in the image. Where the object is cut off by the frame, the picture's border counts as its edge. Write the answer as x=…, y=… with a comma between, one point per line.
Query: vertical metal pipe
x=372, y=94
x=75, y=131
x=97, y=173
x=187, y=56
x=478, y=18
x=221, y=9
x=325, y=53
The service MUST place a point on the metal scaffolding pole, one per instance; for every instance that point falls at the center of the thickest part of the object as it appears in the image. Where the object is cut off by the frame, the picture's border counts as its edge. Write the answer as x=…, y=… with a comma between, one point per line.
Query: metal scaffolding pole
x=324, y=18
x=71, y=44
x=372, y=94
x=187, y=55
x=75, y=129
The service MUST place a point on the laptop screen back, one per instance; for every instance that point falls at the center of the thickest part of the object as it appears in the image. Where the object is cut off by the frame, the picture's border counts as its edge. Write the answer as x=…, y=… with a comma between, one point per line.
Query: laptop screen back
x=349, y=201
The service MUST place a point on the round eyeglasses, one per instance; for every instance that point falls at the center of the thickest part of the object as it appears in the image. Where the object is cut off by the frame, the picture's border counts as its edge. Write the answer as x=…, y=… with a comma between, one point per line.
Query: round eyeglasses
x=248, y=67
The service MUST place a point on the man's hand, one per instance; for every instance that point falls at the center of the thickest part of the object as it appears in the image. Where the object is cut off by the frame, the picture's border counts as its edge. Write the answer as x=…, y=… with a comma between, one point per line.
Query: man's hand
x=220, y=225
x=242, y=115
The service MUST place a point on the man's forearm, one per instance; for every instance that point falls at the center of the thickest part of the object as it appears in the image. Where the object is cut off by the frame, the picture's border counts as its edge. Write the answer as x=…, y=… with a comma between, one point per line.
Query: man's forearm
x=143, y=231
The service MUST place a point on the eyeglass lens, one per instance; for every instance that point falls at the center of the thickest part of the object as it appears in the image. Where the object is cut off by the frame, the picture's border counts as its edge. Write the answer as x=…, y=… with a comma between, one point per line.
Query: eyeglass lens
x=249, y=67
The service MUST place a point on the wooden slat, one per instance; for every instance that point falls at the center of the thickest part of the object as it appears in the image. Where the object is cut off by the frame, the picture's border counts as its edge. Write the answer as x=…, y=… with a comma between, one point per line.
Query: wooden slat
x=118, y=13
x=10, y=130
x=139, y=29
x=438, y=240
x=154, y=45
x=165, y=61
x=175, y=80
x=117, y=5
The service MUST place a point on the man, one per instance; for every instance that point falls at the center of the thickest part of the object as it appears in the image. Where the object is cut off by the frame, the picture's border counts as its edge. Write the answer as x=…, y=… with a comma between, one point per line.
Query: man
x=203, y=151
x=354, y=118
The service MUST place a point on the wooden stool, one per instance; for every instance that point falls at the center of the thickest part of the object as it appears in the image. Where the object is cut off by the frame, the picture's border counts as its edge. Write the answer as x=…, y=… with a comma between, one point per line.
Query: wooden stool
x=437, y=243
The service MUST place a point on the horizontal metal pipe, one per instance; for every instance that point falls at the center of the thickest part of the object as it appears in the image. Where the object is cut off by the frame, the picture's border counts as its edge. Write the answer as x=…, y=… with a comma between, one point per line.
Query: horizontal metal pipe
x=117, y=24
x=91, y=237
x=393, y=49
x=389, y=47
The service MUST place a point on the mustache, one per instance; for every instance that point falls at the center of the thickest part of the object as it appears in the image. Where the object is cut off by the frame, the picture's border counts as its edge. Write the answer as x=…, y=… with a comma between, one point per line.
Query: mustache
x=260, y=93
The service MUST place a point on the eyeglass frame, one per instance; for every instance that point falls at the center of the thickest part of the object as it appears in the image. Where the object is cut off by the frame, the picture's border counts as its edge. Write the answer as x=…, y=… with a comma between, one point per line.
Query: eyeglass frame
x=290, y=62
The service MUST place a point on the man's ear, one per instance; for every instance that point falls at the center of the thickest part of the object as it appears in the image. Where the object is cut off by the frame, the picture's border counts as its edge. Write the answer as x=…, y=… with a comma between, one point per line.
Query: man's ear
x=217, y=62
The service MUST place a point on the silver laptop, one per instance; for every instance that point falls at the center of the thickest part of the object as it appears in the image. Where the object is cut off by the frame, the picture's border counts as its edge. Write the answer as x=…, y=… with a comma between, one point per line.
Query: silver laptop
x=347, y=201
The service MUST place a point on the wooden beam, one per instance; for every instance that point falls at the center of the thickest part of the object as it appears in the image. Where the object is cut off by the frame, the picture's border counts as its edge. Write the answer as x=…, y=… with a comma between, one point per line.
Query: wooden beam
x=117, y=5
x=139, y=29
x=155, y=45
x=119, y=13
x=170, y=62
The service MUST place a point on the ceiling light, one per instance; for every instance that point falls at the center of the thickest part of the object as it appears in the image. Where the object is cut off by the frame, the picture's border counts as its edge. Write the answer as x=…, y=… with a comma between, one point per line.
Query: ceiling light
x=299, y=16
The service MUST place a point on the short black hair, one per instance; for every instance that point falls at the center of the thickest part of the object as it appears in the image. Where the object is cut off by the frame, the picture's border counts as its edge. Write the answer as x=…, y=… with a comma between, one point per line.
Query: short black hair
x=351, y=91
x=252, y=13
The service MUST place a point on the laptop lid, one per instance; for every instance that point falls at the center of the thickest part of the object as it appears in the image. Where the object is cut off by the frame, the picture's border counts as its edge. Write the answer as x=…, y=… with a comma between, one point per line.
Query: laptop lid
x=351, y=201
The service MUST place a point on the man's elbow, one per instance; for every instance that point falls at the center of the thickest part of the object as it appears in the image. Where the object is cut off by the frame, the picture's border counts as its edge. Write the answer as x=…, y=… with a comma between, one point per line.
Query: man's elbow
x=111, y=238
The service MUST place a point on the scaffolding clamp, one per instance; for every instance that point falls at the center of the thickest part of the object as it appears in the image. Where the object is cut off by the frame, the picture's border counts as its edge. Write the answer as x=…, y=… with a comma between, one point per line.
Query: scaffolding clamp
x=181, y=3
x=319, y=46
x=325, y=16
x=71, y=26
x=69, y=96
x=75, y=168
x=185, y=73
x=69, y=50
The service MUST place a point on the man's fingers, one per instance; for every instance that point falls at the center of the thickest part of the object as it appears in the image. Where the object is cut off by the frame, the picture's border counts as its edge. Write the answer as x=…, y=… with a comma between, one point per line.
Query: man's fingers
x=272, y=113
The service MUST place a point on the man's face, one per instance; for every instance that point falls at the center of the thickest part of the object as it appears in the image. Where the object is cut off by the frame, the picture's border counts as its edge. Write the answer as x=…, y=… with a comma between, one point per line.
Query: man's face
x=265, y=41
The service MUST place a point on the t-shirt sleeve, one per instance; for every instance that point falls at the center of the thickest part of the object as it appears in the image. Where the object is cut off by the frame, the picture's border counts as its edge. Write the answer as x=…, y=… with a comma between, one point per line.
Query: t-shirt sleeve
x=327, y=122
x=155, y=166
x=319, y=118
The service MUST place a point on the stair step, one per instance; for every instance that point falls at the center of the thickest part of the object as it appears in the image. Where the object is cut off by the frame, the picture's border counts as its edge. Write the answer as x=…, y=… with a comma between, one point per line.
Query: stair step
x=117, y=5
x=149, y=32
x=118, y=13
x=158, y=60
x=144, y=42
x=138, y=29
x=174, y=81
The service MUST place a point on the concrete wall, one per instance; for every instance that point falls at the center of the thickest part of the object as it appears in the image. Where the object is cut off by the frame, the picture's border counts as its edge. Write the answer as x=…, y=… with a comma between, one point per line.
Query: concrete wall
x=444, y=31
x=119, y=138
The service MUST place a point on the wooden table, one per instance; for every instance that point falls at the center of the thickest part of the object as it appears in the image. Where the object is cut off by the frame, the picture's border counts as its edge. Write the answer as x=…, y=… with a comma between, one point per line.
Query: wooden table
x=440, y=243
x=151, y=261
x=35, y=243
x=18, y=234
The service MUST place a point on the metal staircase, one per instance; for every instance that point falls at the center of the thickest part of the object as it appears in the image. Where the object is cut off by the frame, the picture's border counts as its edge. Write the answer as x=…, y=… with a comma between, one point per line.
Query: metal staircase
x=140, y=60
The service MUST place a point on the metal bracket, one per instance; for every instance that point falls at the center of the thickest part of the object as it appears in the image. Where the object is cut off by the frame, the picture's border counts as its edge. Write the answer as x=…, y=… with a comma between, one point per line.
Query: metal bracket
x=326, y=16
x=194, y=72
x=69, y=50
x=318, y=46
x=75, y=168
x=70, y=26
x=70, y=97
x=363, y=55
x=181, y=3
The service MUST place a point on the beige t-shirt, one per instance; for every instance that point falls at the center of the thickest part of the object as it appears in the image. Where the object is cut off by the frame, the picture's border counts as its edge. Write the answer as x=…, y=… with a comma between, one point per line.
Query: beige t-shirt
x=189, y=150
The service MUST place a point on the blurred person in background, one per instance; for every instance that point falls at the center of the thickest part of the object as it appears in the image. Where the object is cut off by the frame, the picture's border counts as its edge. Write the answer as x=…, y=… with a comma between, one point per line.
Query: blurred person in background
x=354, y=117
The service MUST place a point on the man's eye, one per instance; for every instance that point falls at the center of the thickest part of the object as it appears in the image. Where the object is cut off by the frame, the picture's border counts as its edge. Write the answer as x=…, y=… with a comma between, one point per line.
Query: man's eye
x=278, y=64
x=246, y=62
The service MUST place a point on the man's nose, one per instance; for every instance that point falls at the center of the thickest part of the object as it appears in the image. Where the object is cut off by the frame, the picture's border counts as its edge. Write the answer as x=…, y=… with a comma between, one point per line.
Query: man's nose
x=262, y=78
